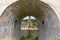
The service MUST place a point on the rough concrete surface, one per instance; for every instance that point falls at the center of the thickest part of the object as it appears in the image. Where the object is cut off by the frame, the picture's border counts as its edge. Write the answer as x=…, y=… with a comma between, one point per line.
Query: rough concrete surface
x=13, y=15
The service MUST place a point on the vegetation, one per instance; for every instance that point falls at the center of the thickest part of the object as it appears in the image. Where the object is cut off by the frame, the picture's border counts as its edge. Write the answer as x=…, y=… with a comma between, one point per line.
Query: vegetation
x=27, y=38
x=25, y=34
x=34, y=23
x=57, y=38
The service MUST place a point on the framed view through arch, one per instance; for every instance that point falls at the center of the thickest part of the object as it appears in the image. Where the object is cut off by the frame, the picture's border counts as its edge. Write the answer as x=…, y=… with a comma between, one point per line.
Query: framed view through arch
x=29, y=28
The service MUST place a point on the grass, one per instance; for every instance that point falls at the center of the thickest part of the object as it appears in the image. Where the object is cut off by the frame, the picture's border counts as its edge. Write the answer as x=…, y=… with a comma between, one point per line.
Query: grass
x=57, y=38
x=29, y=38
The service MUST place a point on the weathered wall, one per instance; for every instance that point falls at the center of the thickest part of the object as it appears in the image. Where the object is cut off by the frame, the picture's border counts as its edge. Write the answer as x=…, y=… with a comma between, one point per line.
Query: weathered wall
x=55, y=4
x=12, y=16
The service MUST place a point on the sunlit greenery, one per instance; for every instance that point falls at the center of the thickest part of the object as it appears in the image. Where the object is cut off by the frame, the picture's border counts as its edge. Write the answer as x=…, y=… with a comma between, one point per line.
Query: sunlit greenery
x=34, y=23
x=27, y=38
x=29, y=34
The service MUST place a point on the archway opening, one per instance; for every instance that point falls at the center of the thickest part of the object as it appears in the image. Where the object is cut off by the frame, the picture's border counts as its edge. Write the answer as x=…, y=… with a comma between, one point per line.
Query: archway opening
x=29, y=28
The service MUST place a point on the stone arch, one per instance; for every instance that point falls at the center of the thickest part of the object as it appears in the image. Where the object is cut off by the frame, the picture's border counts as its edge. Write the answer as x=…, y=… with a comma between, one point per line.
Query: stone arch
x=47, y=19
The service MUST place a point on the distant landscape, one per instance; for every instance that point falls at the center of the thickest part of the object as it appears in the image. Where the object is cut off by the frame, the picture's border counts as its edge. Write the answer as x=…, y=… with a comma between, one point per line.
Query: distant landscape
x=25, y=33
x=34, y=23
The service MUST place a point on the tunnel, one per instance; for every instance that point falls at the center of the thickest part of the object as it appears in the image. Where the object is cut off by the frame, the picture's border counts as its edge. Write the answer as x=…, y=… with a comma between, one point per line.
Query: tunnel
x=11, y=18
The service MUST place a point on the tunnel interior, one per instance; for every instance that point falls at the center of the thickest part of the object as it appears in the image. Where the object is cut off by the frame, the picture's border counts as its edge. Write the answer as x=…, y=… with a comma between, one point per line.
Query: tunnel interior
x=13, y=15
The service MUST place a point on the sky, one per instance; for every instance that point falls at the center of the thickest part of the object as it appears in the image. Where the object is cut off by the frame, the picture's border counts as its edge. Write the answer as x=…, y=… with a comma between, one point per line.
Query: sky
x=27, y=17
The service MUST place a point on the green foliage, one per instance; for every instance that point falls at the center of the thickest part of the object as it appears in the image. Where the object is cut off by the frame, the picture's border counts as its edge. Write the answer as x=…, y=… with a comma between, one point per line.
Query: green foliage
x=34, y=23
x=27, y=38
x=57, y=38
